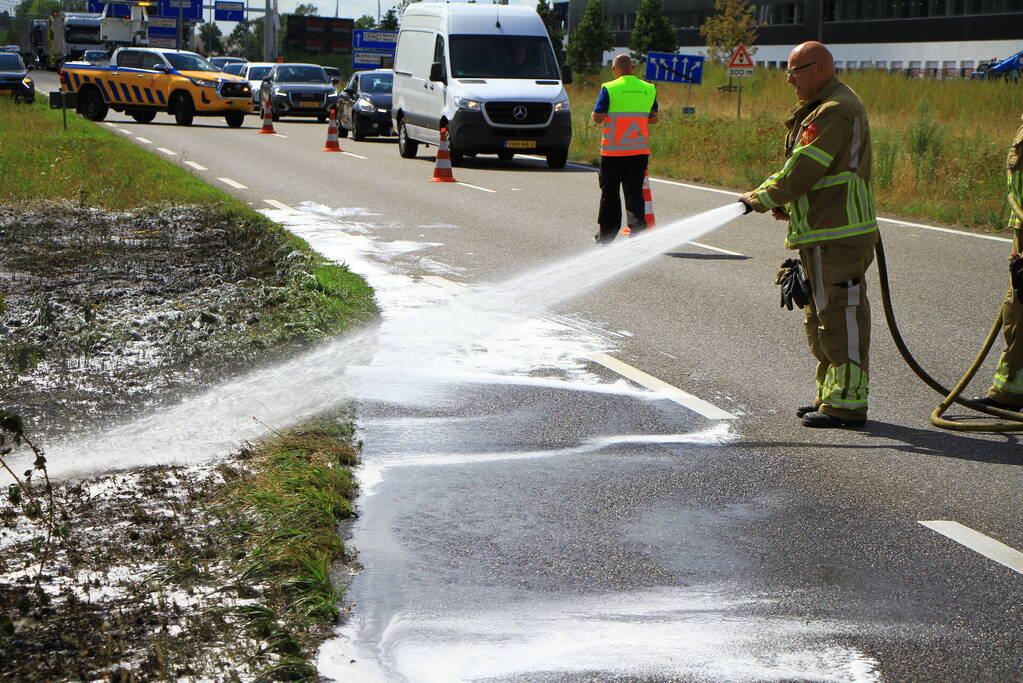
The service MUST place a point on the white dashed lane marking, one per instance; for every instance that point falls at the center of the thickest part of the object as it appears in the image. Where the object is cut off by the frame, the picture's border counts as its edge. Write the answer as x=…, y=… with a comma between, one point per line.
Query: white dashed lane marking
x=144, y=141
x=277, y=205
x=978, y=542
x=477, y=187
x=167, y=151
x=352, y=154
x=717, y=249
x=125, y=131
x=233, y=183
x=196, y=166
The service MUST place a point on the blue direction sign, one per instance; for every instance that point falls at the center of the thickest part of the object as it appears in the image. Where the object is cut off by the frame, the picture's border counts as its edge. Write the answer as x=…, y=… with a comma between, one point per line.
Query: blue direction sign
x=672, y=68
x=228, y=10
x=364, y=39
x=189, y=9
x=115, y=10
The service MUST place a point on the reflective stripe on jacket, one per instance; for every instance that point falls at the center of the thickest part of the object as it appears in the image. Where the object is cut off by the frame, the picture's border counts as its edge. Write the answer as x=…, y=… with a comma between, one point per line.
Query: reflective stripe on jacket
x=627, y=123
x=1014, y=175
x=825, y=182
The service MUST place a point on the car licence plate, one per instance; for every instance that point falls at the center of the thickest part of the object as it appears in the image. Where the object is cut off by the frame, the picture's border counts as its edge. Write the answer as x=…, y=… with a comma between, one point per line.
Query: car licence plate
x=520, y=144
x=308, y=104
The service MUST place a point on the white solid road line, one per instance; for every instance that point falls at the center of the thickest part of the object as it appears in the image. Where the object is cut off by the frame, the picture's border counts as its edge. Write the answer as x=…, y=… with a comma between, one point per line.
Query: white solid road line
x=978, y=542
x=144, y=141
x=167, y=151
x=197, y=166
x=694, y=187
x=277, y=205
x=694, y=403
x=353, y=154
x=233, y=183
x=979, y=236
x=477, y=187
x=718, y=249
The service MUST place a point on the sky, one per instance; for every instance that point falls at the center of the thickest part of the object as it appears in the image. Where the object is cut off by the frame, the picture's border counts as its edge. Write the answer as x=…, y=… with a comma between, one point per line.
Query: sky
x=352, y=9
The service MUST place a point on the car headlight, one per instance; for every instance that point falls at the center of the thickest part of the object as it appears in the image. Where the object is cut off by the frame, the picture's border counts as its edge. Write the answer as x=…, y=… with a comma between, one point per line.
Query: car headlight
x=562, y=105
x=466, y=103
x=278, y=93
x=203, y=83
x=365, y=105
x=27, y=82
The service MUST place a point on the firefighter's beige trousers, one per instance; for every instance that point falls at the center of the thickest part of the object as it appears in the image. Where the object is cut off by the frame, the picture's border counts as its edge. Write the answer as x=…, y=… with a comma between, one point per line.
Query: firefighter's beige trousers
x=838, y=323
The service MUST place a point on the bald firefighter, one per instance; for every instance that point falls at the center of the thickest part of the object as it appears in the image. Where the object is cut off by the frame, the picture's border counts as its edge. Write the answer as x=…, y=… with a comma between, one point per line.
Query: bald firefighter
x=824, y=193
x=1006, y=390
x=626, y=107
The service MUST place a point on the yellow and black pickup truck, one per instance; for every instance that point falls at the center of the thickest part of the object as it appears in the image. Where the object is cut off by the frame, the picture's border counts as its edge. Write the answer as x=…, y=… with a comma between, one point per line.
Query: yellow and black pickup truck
x=142, y=81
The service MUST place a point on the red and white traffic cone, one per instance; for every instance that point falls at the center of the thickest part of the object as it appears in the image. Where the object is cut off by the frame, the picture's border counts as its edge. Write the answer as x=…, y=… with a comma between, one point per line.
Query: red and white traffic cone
x=648, y=205
x=648, y=201
x=268, y=119
x=442, y=169
x=332, y=144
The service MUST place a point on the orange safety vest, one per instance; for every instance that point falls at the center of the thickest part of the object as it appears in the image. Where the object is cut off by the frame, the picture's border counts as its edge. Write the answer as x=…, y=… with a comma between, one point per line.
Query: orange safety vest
x=627, y=123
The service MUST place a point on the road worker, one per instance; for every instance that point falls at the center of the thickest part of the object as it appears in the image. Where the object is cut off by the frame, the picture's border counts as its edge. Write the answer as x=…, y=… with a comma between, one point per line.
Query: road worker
x=824, y=192
x=1006, y=390
x=626, y=107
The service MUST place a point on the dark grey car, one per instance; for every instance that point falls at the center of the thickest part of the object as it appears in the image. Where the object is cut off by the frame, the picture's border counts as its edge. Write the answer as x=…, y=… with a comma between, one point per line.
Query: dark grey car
x=298, y=90
x=365, y=104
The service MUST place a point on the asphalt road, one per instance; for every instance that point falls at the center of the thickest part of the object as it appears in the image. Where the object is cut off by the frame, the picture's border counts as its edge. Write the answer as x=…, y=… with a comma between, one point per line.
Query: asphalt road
x=496, y=547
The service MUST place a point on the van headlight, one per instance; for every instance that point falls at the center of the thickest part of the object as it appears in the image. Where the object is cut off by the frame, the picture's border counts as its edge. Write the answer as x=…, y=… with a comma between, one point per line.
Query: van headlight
x=365, y=105
x=562, y=105
x=466, y=103
x=203, y=83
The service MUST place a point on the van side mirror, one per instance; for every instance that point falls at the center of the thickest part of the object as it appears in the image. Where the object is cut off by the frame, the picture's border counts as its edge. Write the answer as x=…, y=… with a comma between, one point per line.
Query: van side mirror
x=566, y=73
x=437, y=73
x=350, y=92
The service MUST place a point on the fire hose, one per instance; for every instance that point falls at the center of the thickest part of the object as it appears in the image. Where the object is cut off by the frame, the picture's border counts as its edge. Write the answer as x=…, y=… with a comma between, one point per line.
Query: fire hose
x=1015, y=418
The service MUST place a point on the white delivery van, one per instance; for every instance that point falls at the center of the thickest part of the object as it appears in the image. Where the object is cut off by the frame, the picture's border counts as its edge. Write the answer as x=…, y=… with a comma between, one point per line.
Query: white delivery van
x=488, y=74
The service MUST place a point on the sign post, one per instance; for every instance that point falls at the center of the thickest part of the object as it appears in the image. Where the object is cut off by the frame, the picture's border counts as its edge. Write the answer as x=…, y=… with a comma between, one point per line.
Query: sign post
x=740, y=65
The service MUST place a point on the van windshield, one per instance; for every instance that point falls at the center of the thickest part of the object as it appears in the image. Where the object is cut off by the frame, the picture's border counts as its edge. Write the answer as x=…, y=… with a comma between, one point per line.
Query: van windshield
x=502, y=57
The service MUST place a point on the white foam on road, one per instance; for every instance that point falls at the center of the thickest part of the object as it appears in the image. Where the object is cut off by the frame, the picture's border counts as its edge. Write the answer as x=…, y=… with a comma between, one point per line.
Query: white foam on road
x=693, y=633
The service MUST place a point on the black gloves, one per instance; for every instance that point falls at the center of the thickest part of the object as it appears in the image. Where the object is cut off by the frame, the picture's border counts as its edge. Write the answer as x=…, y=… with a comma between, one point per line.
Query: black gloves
x=1016, y=275
x=795, y=288
x=749, y=208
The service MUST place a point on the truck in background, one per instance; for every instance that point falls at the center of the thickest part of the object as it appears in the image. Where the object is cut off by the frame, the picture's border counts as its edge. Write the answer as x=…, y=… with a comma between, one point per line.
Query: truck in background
x=71, y=34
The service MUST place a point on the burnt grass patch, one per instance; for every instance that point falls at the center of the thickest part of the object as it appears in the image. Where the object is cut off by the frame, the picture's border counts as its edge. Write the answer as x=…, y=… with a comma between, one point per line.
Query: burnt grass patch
x=212, y=572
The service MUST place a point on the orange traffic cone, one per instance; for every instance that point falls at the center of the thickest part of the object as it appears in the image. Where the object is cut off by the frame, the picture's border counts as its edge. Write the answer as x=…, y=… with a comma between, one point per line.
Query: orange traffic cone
x=268, y=120
x=332, y=144
x=648, y=205
x=442, y=170
x=648, y=201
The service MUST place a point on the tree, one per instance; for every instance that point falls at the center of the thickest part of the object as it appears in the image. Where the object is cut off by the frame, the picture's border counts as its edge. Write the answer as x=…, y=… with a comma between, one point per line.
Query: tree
x=653, y=31
x=365, y=22
x=589, y=40
x=307, y=9
x=212, y=38
x=390, y=21
x=553, y=23
x=733, y=23
x=247, y=39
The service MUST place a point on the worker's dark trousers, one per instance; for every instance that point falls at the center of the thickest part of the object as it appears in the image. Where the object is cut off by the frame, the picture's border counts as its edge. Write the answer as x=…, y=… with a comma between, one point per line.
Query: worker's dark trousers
x=627, y=174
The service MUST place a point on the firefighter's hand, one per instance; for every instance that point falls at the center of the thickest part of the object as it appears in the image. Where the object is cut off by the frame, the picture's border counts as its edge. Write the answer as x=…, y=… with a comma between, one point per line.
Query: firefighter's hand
x=779, y=214
x=747, y=201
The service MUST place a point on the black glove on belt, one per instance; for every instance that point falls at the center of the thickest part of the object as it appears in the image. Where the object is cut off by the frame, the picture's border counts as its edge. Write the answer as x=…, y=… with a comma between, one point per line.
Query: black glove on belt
x=795, y=288
x=1016, y=275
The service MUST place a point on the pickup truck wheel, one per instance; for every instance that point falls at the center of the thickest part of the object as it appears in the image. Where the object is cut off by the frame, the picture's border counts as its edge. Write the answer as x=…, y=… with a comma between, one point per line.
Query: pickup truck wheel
x=184, y=112
x=143, y=116
x=92, y=106
x=235, y=119
x=407, y=147
x=557, y=158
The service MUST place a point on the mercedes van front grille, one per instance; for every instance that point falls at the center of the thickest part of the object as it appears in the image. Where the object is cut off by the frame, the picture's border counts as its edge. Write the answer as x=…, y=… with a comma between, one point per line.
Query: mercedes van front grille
x=519, y=113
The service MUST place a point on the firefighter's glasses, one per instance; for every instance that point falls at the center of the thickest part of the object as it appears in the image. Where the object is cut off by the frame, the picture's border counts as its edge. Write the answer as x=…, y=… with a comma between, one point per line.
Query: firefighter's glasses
x=801, y=66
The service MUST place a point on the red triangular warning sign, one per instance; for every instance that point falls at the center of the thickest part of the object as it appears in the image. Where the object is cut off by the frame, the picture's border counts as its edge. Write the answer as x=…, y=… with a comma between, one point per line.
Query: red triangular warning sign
x=740, y=58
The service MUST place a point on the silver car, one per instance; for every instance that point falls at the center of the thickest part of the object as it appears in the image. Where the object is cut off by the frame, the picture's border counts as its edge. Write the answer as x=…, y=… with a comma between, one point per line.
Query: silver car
x=255, y=72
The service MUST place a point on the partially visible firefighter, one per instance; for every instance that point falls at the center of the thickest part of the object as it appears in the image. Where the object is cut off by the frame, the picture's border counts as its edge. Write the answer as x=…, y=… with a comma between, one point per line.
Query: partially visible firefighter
x=824, y=192
x=1006, y=390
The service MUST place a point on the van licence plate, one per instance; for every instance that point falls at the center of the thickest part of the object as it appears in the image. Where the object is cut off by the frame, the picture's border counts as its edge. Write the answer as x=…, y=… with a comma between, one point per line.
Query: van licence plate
x=520, y=144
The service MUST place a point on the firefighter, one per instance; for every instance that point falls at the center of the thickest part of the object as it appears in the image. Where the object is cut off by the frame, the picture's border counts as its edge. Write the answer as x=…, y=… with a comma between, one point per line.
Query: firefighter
x=823, y=190
x=626, y=107
x=1006, y=390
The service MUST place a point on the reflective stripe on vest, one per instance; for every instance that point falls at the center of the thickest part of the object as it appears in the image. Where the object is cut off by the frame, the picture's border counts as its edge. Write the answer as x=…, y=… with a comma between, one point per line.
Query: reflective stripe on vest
x=626, y=133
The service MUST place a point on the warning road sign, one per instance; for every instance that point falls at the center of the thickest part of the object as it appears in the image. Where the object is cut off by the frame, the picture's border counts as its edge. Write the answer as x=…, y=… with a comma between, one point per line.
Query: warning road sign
x=740, y=65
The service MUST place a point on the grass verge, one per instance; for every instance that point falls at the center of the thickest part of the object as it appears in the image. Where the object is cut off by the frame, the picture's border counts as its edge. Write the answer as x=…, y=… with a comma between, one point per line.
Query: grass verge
x=939, y=146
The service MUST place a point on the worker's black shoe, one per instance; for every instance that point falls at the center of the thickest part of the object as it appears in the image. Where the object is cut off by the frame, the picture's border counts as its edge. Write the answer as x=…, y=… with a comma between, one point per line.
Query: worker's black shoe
x=821, y=421
x=803, y=410
x=994, y=403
